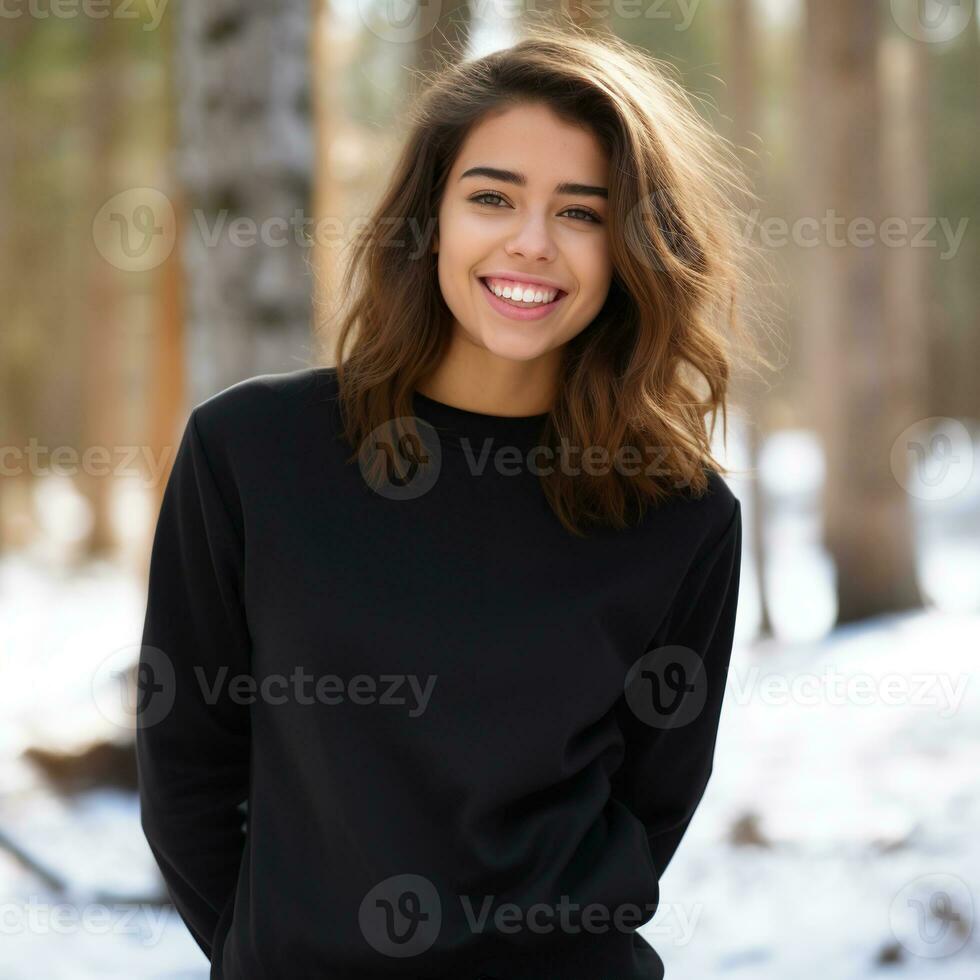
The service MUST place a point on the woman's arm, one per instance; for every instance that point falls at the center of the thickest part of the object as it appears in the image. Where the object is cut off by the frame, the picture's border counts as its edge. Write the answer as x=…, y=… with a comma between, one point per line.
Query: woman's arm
x=674, y=696
x=192, y=738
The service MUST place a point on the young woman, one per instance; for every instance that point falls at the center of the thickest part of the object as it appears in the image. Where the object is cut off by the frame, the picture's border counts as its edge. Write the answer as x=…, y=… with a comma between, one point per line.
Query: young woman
x=436, y=639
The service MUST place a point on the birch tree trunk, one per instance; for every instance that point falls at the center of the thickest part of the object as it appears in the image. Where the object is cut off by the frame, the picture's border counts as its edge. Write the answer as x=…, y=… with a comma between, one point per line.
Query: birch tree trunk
x=245, y=152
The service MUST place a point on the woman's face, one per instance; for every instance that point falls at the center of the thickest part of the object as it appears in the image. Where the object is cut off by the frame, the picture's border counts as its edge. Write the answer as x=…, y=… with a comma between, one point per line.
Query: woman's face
x=519, y=223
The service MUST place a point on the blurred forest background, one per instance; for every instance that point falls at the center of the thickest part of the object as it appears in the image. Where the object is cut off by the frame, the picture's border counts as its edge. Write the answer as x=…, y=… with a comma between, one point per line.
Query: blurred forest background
x=162, y=167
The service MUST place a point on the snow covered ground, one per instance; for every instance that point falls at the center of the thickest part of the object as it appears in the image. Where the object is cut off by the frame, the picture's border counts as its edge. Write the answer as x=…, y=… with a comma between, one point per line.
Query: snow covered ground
x=854, y=762
x=59, y=634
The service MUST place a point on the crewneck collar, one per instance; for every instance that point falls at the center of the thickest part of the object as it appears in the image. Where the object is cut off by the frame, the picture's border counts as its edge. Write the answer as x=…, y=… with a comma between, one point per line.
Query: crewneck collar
x=459, y=427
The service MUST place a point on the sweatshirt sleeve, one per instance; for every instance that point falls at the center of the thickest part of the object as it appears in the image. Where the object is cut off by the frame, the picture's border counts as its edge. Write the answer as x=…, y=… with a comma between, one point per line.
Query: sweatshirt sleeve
x=192, y=738
x=674, y=696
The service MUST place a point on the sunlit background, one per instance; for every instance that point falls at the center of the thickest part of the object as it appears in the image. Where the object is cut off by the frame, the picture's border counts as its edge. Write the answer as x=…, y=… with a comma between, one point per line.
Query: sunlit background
x=155, y=157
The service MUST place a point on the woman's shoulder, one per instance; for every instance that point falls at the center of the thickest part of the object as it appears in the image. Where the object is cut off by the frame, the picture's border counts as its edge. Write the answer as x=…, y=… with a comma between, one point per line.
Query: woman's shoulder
x=697, y=524
x=717, y=515
x=719, y=502
x=257, y=417
x=249, y=403
x=723, y=512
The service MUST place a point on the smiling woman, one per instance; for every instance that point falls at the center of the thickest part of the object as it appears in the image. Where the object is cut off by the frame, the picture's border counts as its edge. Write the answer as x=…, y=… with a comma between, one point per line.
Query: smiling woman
x=569, y=665
x=575, y=164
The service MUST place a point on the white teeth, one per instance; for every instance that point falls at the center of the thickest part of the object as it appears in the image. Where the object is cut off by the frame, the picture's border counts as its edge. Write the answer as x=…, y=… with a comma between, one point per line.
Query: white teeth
x=526, y=294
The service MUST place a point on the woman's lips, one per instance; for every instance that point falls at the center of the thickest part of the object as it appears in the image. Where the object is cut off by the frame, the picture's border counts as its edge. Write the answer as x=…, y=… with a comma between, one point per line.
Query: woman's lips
x=516, y=312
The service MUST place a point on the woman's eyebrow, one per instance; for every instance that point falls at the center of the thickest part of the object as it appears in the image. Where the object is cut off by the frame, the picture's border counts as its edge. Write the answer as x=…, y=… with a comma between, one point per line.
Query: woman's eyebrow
x=510, y=177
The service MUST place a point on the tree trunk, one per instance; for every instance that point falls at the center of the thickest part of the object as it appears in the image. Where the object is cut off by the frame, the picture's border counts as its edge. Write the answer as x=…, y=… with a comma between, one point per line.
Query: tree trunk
x=906, y=189
x=102, y=360
x=850, y=346
x=166, y=376
x=246, y=152
x=744, y=91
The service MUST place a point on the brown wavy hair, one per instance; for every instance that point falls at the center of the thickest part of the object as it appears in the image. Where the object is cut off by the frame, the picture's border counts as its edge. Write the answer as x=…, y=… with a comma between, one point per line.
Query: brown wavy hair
x=672, y=320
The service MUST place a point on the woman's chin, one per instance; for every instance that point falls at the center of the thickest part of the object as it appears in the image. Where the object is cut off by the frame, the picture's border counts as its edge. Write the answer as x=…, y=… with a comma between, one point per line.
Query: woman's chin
x=520, y=342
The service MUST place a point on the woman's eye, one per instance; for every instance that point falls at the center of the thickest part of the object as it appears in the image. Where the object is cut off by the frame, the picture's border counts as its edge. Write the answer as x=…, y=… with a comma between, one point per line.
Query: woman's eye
x=588, y=214
x=481, y=199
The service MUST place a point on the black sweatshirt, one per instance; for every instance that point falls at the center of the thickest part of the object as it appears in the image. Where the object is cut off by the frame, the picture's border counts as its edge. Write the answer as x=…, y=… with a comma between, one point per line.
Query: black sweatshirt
x=419, y=730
